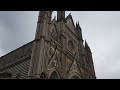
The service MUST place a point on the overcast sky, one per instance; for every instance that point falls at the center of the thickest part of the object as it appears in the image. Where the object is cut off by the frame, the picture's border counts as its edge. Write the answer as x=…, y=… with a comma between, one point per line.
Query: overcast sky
x=100, y=28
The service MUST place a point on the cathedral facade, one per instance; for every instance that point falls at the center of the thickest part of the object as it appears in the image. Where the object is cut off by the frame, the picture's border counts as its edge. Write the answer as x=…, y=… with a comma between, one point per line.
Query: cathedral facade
x=57, y=52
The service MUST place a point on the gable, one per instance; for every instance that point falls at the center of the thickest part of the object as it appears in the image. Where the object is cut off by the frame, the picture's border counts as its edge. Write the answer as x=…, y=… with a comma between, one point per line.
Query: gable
x=54, y=61
x=70, y=23
x=74, y=67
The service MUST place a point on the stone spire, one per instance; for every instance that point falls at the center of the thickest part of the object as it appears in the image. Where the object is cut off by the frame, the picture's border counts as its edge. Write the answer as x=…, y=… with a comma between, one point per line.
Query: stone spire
x=39, y=57
x=44, y=20
x=60, y=16
x=79, y=31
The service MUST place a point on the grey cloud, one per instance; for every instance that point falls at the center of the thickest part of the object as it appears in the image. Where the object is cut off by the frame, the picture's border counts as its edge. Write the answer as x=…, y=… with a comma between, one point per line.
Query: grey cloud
x=17, y=28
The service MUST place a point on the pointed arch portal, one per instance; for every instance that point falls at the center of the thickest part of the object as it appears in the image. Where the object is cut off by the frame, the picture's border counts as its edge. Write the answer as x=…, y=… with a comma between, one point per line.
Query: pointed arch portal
x=53, y=74
x=74, y=75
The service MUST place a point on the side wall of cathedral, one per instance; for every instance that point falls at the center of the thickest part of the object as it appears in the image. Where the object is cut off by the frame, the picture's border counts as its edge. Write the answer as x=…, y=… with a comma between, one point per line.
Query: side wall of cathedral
x=15, y=64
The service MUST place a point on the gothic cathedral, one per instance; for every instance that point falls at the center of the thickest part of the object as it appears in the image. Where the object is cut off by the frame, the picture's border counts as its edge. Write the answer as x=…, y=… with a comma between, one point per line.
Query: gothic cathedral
x=57, y=52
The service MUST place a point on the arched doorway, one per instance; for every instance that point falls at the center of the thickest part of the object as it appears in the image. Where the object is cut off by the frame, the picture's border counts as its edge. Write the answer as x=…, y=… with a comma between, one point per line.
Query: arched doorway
x=74, y=75
x=53, y=74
